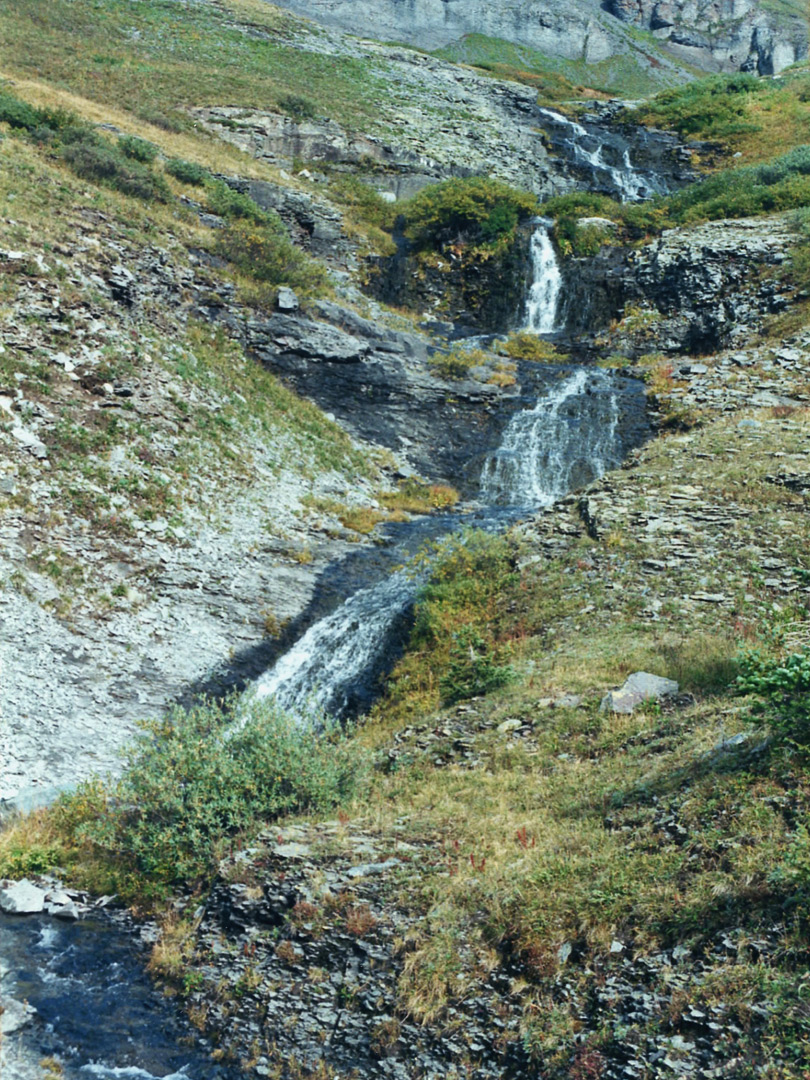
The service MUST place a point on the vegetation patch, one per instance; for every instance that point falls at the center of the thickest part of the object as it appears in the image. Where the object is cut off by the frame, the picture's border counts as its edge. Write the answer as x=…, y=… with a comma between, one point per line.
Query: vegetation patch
x=194, y=781
x=478, y=212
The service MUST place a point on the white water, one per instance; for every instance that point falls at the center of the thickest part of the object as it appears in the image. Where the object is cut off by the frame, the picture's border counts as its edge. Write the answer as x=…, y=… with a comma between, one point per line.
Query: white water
x=566, y=440
x=324, y=666
x=630, y=184
x=544, y=295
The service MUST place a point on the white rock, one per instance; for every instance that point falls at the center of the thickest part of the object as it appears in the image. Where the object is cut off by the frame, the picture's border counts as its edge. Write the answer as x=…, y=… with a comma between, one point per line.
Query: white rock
x=22, y=898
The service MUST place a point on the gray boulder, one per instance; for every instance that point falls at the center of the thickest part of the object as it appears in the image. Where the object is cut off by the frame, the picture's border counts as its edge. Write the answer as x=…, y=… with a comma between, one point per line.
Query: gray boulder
x=22, y=898
x=638, y=688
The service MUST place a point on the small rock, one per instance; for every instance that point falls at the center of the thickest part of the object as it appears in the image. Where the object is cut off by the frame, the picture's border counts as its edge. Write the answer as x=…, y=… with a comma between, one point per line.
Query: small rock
x=510, y=725
x=15, y=1015
x=293, y=851
x=287, y=300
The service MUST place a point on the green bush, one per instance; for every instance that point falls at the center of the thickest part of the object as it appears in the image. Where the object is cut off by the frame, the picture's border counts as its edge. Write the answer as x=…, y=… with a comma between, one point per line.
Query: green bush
x=186, y=788
x=472, y=668
x=138, y=149
x=458, y=362
x=18, y=114
x=365, y=203
x=225, y=201
x=94, y=158
x=187, y=172
x=477, y=211
x=712, y=108
x=297, y=107
x=21, y=116
x=266, y=254
x=785, y=686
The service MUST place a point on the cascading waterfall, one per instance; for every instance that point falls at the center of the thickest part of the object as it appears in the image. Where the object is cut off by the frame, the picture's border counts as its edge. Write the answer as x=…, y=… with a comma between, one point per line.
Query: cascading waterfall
x=541, y=305
x=568, y=439
x=587, y=150
x=332, y=667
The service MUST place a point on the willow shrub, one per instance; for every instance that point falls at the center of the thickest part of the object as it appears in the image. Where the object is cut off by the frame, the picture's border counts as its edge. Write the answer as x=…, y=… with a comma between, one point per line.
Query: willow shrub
x=186, y=789
x=475, y=210
x=266, y=254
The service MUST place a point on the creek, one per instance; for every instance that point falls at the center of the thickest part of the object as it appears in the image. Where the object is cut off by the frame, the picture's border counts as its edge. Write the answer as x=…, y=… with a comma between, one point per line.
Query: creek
x=95, y=1008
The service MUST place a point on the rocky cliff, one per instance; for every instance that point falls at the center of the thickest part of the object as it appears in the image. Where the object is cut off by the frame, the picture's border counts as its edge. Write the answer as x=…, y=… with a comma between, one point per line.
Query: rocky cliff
x=724, y=35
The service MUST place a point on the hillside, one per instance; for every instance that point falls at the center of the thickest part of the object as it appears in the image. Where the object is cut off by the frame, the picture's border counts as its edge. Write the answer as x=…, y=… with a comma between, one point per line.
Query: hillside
x=270, y=408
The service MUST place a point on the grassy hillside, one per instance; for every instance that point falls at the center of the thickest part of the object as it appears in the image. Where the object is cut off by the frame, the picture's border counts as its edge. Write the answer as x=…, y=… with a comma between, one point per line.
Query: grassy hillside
x=640, y=71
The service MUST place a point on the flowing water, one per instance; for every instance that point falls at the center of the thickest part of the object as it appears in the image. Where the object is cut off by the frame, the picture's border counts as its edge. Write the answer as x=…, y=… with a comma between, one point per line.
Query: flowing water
x=603, y=156
x=567, y=440
x=569, y=437
x=96, y=1008
x=544, y=294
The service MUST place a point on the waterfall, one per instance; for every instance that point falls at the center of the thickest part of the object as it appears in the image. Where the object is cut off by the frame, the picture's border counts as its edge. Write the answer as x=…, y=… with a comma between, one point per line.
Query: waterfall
x=586, y=149
x=334, y=666
x=567, y=439
x=541, y=305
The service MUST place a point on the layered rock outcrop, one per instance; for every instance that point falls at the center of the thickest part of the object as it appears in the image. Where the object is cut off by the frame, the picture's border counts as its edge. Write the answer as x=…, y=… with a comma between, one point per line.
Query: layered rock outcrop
x=725, y=35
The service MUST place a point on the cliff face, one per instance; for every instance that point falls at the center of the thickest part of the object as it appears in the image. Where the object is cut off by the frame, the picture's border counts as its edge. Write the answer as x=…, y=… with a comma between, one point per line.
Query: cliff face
x=719, y=35
x=726, y=34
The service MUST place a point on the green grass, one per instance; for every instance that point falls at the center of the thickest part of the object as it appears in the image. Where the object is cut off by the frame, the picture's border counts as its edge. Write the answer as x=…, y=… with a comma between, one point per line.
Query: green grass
x=159, y=58
x=557, y=79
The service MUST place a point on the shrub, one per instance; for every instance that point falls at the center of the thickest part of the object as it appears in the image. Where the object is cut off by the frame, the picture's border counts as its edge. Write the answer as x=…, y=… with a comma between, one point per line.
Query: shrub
x=231, y=204
x=458, y=363
x=785, y=686
x=93, y=158
x=363, y=201
x=185, y=787
x=297, y=107
x=472, y=668
x=527, y=346
x=18, y=114
x=187, y=172
x=713, y=108
x=266, y=254
x=138, y=149
x=477, y=211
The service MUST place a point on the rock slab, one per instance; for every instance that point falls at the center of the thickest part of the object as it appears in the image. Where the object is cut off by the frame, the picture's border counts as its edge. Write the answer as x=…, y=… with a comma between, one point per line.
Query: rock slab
x=22, y=898
x=638, y=688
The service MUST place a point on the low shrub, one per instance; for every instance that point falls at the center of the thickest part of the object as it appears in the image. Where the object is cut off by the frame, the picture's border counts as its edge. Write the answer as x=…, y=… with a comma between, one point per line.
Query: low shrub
x=476, y=210
x=472, y=668
x=526, y=346
x=137, y=149
x=297, y=107
x=18, y=114
x=186, y=788
x=21, y=116
x=267, y=255
x=417, y=497
x=458, y=362
x=187, y=172
x=94, y=158
x=364, y=202
x=225, y=201
x=784, y=684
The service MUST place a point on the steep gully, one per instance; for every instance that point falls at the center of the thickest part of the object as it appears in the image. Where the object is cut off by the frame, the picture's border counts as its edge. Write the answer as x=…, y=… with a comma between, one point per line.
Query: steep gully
x=85, y=981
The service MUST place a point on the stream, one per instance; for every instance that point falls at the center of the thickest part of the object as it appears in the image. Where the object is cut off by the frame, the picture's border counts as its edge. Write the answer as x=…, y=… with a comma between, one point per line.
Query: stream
x=95, y=1008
